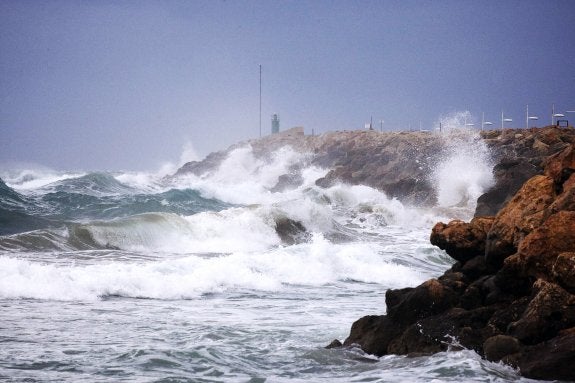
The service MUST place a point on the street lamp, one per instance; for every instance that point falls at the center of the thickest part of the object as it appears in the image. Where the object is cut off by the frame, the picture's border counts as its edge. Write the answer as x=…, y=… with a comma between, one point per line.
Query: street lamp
x=528, y=117
x=503, y=120
x=560, y=115
x=381, y=122
x=553, y=114
x=483, y=122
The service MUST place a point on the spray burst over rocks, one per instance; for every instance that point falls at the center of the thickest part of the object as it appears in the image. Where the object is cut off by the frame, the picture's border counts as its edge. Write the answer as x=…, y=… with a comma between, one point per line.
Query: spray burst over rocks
x=448, y=167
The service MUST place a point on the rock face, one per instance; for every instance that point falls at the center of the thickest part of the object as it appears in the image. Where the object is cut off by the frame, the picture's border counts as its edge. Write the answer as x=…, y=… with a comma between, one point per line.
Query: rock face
x=511, y=294
x=398, y=163
x=402, y=164
x=519, y=155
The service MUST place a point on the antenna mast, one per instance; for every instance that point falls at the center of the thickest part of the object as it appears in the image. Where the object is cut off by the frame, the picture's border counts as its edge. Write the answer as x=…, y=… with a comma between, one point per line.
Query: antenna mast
x=260, y=100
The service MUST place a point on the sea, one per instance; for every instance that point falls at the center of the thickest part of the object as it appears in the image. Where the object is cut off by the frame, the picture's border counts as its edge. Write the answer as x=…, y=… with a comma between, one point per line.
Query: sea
x=139, y=277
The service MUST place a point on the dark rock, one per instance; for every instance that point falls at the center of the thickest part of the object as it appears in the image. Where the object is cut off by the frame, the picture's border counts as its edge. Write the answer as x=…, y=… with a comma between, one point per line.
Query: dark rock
x=550, y=310
x=501, y=318
x=408, y=305
x=550, y=360
x=334, y=344
x=287, y=181
x=291, y=232
x=499, y=346
x=510, y=175
x=373, y=333
x=475, y=267
x=564, y=271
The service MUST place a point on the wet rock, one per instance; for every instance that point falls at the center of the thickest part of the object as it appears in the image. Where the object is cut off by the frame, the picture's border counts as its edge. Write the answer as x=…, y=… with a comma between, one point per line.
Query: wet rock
x=287, y=181
x=408, y=305
x=549, y=311
x=291, y=232
x=373, y=333
x=334, y=344
x=461, y=240
x=550, y=360
x=499, y=346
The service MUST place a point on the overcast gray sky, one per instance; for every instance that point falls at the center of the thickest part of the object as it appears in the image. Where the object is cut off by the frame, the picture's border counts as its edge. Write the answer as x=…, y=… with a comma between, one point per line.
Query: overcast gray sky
x=125, y=85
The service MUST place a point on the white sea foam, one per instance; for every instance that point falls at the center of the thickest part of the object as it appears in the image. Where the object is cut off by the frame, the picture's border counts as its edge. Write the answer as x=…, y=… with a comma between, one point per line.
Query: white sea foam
x=244, y=179
x=30, y=179
x=313, y=264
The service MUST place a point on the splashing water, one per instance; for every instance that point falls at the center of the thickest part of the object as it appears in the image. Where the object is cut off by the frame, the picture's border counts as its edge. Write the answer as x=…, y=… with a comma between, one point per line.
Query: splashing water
x=466, y=170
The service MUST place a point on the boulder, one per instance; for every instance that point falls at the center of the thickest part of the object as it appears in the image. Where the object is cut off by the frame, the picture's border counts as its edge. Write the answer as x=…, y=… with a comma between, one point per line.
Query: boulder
x=550, y=310
x=499, y=346
x=524, y=212
x=564, y=271
x=373, y=333
x=538, y=252
x=552, y=359
x=461, y=240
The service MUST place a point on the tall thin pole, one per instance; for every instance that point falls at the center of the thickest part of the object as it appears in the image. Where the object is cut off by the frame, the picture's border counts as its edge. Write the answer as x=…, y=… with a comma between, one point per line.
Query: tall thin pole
x=260, y=100
x=527, y=117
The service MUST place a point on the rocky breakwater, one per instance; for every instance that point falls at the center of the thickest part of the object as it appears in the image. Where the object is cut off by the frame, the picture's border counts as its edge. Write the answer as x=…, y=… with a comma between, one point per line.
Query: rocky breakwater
x=401, y=164
x=518, y=155
x=511, y=294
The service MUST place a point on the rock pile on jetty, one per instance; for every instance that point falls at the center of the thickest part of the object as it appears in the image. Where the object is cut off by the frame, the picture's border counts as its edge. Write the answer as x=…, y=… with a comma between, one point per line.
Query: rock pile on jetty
x=510, y=296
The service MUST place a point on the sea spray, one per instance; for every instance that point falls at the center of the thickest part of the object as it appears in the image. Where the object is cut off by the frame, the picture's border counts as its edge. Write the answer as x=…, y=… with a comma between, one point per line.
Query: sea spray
x=465, y=172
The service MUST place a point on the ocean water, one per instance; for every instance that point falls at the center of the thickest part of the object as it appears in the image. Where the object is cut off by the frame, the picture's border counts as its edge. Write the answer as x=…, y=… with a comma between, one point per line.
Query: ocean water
x=134, y=277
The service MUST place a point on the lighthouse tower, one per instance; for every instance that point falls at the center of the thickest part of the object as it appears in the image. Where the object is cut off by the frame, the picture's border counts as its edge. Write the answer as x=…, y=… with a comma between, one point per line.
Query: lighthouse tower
x=275, y=124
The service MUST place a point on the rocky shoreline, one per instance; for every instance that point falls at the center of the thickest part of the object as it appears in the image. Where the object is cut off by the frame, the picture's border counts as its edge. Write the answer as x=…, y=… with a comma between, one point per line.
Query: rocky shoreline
x=511, y=294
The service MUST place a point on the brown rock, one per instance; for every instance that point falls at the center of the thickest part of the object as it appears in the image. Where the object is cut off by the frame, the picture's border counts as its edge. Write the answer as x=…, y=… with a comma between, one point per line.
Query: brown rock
x=566, y=200
x=538, y=252
x=556, y=165
x=518, y=218
x=461, y=240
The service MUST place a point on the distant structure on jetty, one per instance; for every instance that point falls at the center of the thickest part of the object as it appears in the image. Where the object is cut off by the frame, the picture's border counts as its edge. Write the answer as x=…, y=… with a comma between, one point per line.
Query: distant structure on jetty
x=275, y=123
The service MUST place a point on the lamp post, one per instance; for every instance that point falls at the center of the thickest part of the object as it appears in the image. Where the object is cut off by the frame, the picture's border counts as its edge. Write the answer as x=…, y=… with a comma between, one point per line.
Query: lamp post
x=483, y=122
x=553, y=114
x=503, y=120
x=381, y=122
x=528, y=117
x=560, y=115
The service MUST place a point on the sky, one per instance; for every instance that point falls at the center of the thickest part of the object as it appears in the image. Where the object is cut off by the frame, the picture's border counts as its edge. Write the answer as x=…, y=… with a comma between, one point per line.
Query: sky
x=130, y=85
